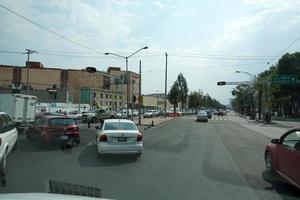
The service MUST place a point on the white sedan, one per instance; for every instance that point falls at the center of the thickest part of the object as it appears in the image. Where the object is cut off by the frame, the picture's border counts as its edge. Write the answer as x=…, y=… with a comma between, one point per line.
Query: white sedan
x=8, y=138
x=119, y=136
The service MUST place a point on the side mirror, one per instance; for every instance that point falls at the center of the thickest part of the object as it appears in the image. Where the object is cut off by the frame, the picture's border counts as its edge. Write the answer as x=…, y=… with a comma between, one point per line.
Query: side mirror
x=275, y=141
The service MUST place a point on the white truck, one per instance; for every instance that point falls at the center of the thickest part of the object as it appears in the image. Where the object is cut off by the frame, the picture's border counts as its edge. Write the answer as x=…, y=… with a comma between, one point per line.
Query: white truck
x=20, y=107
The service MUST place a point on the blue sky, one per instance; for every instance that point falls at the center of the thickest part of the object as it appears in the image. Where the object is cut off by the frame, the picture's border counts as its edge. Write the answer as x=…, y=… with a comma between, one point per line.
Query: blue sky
x=191, y=31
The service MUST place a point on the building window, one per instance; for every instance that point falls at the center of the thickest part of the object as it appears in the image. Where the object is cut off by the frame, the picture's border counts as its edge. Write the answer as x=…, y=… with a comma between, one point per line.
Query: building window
x=115, y=103
x=101, y=103
x=106, y=96
x=106, y=103
x=115, y=96
x=110, y=96
x=120, y=97
x=101, y=95
x=120, y=103
x=110, y=103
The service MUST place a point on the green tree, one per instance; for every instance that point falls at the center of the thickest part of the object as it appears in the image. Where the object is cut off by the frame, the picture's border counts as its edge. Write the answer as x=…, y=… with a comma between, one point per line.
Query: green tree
x=195, y=100
x=183, y=89
x=174, y=95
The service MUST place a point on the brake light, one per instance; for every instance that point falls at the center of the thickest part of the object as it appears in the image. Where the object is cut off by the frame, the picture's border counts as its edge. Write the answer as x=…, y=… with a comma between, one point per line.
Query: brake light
x=139, y=138
x=103, y=138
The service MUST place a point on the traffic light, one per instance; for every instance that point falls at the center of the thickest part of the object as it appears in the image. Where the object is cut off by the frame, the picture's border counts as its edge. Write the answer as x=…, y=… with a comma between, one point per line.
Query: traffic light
x=91, y=69
x=221, y=83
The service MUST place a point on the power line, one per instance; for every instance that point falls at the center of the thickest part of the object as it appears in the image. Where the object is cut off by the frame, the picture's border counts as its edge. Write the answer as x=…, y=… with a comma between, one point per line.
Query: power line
x=49, y=30
x=10, y=52
x=284, y=50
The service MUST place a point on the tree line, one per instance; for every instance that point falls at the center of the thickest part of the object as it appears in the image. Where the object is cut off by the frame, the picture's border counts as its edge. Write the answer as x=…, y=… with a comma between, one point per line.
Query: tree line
x=179, y=93
x=282, y=99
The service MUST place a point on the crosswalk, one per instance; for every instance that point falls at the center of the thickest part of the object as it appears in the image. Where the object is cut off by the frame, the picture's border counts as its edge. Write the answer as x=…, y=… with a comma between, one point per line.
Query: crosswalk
x=215, y=118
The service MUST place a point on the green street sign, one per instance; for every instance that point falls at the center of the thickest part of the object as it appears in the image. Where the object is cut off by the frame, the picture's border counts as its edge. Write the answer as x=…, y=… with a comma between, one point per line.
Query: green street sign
x=284, y=79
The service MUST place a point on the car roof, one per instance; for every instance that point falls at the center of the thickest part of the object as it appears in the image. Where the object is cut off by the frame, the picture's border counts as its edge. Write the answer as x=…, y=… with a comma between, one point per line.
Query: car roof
x=2, y=113
x=118, y=120
x=56, y=116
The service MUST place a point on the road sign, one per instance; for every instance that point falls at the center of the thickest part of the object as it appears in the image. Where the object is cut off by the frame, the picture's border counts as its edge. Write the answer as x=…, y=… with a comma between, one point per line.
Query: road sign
x=284, y=79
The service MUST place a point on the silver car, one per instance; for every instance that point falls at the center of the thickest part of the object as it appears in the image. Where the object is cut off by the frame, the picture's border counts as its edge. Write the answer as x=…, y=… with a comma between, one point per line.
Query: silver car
x=119, y=136
x=202, y=116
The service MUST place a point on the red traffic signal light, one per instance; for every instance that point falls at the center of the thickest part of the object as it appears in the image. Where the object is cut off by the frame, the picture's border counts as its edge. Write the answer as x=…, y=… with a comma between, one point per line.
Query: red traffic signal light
x=221, y=83
x=91, y=69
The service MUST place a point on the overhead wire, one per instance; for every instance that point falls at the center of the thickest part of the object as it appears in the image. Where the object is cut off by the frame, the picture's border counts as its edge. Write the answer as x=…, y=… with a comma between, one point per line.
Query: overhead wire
x=49, y=30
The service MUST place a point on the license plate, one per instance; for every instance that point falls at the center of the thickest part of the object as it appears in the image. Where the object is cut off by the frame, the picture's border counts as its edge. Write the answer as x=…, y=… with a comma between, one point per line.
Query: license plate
x=64, y=137
x=122, y=139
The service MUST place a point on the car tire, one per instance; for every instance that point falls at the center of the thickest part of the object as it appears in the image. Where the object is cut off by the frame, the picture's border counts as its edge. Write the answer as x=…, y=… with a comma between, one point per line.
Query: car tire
x=15, y=146
x=3, y=162
x=138, y=155
x=112, y=117
x=269, y=163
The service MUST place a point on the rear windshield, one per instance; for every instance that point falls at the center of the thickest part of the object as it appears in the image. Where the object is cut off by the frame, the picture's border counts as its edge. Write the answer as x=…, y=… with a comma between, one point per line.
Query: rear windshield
x=119, y=126
x=61, y=122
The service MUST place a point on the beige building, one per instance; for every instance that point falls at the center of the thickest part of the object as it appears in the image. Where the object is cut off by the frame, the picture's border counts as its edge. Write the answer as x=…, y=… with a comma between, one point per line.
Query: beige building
x=78, y=86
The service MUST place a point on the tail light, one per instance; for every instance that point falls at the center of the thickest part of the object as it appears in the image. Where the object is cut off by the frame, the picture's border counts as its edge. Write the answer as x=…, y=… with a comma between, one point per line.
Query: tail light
x=103, y=138
x=139, y=138
x=75, y=129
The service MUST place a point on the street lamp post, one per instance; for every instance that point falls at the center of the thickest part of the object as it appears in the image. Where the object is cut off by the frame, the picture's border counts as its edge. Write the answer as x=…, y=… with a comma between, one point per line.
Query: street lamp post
x=252, y=79
x=127, y=74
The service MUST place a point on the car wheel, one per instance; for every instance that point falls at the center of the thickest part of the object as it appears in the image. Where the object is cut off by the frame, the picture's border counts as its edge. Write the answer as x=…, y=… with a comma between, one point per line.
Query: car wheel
x=111, y=117
x=15, y=146
x=138, y=155
x=269, y=163
x=3, y=162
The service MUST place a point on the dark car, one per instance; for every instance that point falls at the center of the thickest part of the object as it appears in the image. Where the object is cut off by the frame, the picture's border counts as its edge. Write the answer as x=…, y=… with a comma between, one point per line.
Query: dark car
x=208, y=114
x=51, y=127
x=282, y=156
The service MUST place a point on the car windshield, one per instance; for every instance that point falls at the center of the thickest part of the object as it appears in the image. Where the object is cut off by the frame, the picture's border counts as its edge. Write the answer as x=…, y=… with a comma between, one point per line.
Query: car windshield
x=61, y=122
x=168, y=99
x=119, y=126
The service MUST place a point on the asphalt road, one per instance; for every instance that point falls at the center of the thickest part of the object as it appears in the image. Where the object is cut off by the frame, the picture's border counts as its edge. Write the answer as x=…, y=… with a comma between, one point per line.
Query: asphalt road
x=182, y=159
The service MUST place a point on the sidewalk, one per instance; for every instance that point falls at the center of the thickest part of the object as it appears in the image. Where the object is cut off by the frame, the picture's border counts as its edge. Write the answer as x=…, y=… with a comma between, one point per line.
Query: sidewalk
x=147, y=122
x=273, y=130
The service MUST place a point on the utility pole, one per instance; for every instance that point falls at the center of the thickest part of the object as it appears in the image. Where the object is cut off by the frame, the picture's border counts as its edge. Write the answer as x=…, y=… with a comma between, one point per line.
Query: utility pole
x=128, y=86
x=140, y=91
x=166, y=77
x=28, y=52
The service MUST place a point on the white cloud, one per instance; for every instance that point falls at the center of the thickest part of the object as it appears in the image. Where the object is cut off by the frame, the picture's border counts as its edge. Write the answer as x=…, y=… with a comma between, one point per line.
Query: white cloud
x=272, y=3
x=159, y=4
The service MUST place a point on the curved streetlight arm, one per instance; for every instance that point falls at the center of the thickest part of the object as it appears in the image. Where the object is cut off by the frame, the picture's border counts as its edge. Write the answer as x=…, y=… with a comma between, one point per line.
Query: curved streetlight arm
x=249, y=74
x=115, y=55
x=137, y=51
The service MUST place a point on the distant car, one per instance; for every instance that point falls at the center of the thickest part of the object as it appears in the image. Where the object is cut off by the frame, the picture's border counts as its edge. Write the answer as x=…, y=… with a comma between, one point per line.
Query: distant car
x=8, y=138
x=208, y=114
x=135, y=113
x=202, y=116
x=42, y=114
x=119, y=136
x=47, y=128
x=282, y=156
x=74, y=115
x=221, y=113
x=148, y=114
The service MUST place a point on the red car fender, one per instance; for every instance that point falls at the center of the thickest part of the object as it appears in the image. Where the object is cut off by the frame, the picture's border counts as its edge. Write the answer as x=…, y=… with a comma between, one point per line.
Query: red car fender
x=272, y=148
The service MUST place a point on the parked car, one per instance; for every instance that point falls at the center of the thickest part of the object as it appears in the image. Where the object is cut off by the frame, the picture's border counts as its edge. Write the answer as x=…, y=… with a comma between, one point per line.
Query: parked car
x=51, y=127
x=282, y=156
x=8, y=138
x=202, y=116
x=148, y=114
x=119, y=136
x=135, y=113
x=75, y=115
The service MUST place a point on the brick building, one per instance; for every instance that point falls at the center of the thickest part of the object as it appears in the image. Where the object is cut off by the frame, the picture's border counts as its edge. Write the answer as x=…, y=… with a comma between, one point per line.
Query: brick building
x=105, y=89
